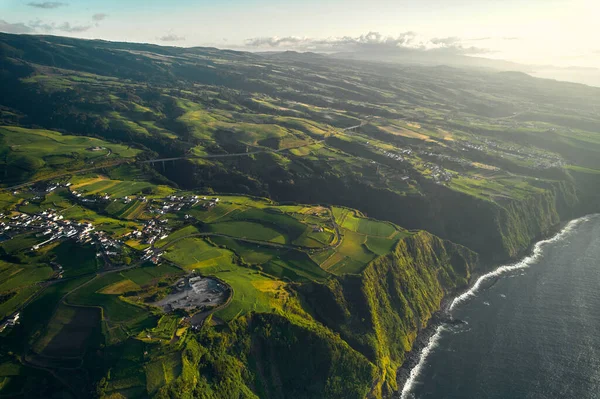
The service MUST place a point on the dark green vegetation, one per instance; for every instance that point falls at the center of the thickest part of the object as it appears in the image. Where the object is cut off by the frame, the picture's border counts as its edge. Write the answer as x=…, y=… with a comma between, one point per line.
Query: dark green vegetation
x=489, y=161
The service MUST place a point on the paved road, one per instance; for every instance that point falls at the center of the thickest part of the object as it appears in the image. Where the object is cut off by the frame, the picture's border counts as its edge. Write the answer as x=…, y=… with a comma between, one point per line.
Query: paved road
x=239, y=154
x=207, y=156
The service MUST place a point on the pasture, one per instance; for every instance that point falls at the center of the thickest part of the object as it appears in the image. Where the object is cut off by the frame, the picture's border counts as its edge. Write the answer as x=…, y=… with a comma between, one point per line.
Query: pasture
x=195, y=253
x=128, y=211
x=252, y=291
x=114, y=188
x=69, y=332
x=183, y=232
x=250, y=253
x=150, y=274
x=75, y=259
x=296, y=266
x=27, y=152
x=162, y=371
x=121, y=318
x=247, y=230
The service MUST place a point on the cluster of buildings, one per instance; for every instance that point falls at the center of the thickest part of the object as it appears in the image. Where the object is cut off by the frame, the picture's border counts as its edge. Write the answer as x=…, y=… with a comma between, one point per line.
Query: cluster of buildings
x=152, y=231
x=100, y=197
x=439, y=174
x=108, y=246
x=174, y=203
x=53, y=227
x=153, y=255
x=394, y=156
x=56, y=227
x=10, y=322
x=537, y=159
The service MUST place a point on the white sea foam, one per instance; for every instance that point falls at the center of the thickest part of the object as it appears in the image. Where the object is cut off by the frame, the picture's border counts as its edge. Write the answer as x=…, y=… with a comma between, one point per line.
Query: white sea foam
x=414, y=373
x=434, y=340
x=524, y=263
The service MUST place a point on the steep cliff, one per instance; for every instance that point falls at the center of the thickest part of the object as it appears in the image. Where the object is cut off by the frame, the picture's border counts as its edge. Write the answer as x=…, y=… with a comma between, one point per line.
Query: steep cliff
x=498, y=228
x=380, y=311
x=344, y=338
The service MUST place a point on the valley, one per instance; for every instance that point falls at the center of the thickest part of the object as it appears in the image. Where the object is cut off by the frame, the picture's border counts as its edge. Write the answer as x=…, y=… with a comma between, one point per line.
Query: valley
x=181, y=222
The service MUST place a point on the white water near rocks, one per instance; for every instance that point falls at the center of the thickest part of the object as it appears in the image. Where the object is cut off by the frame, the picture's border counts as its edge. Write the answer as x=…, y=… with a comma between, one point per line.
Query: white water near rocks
x=538, y=250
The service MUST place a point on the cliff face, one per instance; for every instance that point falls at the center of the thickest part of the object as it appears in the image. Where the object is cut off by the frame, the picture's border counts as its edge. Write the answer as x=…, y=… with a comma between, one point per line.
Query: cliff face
x=344, y=338
x=380, y=312
x=291, y=359
x=353, y=332
x=497, y=230
x=520, y=222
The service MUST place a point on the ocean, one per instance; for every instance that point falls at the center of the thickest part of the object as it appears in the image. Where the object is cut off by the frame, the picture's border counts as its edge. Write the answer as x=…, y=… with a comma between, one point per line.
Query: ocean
x=532, y=329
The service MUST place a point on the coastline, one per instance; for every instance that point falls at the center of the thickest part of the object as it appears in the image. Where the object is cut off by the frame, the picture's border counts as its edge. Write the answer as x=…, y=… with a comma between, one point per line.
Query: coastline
x=428, y=337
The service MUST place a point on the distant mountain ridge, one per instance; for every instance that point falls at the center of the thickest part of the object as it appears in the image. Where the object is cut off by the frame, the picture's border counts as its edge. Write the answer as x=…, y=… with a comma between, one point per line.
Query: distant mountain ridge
x=585, y=75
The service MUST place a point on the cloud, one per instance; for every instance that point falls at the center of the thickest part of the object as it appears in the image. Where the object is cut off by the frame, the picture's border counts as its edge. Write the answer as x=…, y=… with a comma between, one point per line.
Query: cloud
x=39, y=25
x=372, y=41
x=99, y=17
x=334, y=43
x=47, y=4
x=67, y=27
x=15, y=28
x=446, y=41
x=171, y=37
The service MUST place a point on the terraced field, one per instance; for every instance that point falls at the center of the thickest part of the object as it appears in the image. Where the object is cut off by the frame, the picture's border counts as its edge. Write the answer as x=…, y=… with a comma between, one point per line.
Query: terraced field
x=30, y=153
x=69, y=332
x=363, y=239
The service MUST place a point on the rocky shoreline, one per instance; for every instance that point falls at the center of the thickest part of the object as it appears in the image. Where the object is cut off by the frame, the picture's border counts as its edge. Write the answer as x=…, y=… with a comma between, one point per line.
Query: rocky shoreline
x=442, y=316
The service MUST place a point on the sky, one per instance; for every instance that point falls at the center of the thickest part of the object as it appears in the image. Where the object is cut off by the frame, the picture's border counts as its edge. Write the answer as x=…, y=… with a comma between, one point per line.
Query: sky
x=540, y=32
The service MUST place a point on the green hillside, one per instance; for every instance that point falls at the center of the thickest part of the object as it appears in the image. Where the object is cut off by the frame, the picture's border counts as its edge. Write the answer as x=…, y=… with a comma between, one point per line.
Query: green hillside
x=181, y=222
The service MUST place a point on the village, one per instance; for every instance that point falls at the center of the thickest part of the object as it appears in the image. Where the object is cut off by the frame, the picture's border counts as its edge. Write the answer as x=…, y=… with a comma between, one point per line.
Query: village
x=52, y=226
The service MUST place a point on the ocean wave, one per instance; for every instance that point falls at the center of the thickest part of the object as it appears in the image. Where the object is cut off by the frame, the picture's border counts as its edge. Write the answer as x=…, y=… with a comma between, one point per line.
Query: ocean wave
x=522, y=264
x=414, y=373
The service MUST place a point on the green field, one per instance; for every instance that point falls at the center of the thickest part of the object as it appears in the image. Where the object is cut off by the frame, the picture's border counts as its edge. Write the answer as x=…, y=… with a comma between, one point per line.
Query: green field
x=29, y=152
x=114, y=188
x=115, y=311
x=296, y=266
x=351, y=256
x=75, y=259
x=250, y=253
x=193, y=253
x=248, y=230
x=252, y=291
x=14, y=276
x=150, y=274
x=184, y=232
x=69, y=332
x=214, y=214
x=365, y=226
x=121, y=210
